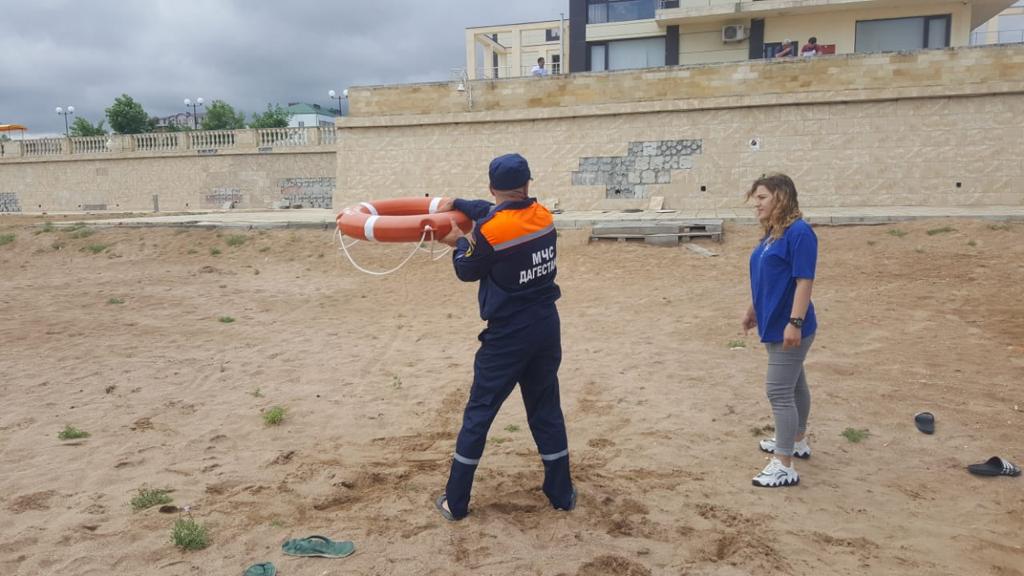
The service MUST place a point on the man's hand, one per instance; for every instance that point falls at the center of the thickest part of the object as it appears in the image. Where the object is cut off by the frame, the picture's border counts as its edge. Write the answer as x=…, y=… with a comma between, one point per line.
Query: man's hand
x=446, y=205
x=791, y=337
x=455, y=234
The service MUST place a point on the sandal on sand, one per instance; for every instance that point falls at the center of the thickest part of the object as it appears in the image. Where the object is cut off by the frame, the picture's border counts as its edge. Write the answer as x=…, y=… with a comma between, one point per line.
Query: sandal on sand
x=263, y=569
x=994, y=466
x=318, y=546
x=925, y=422
x=439, y=504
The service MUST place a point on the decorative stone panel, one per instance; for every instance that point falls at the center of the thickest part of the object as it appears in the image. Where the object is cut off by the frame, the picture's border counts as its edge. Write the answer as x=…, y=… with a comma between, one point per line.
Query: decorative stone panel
x=308, y=192
x=644, y=164
x=9, y=202
x=218, y=197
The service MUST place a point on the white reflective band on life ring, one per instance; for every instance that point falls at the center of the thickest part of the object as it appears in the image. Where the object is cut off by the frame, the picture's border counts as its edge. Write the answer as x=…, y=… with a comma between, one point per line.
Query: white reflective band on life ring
x=368, y=227
x=369, y=207
x=434, y=204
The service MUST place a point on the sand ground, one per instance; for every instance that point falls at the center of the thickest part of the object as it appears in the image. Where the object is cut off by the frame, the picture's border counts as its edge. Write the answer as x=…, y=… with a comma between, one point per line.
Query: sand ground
x=374, y=372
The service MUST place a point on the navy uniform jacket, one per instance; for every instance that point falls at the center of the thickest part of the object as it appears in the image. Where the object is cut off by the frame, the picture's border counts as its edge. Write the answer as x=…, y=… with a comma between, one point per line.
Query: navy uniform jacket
x=513, y=257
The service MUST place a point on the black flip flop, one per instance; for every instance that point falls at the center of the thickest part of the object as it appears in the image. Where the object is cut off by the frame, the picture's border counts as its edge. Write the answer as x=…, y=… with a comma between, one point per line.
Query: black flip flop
x=925, y=422
x=994, y=466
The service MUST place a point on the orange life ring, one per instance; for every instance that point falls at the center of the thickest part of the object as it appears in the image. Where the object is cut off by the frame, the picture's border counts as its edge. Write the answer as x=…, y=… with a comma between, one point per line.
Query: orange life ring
x=399, y=220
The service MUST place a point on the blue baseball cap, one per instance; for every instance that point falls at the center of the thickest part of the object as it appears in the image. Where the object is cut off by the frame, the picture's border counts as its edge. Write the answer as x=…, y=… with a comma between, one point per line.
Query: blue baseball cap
x=509, y=172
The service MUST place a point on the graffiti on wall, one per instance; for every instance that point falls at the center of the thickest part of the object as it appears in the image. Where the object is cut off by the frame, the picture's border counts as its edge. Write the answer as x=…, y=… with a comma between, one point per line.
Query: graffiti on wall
x=221, y=196
x=9, y=202
x=308, y=192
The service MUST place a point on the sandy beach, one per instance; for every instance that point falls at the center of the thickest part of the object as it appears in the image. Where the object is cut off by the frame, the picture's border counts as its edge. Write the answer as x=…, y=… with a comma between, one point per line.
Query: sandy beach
x=127, y=343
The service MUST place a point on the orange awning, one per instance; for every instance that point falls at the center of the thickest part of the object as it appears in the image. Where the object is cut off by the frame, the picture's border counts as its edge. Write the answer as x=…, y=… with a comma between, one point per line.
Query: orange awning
x=11, y=127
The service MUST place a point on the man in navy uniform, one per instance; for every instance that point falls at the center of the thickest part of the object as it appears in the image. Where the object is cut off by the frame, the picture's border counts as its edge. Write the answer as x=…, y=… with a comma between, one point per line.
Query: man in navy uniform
x=511, y=252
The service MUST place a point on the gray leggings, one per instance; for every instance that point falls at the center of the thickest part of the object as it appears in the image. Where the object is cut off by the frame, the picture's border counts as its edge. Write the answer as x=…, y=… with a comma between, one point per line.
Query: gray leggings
x=788, y=392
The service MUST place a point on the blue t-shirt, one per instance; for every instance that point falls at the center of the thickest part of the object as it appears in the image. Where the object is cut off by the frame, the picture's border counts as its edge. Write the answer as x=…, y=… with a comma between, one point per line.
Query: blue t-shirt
x=774, y=268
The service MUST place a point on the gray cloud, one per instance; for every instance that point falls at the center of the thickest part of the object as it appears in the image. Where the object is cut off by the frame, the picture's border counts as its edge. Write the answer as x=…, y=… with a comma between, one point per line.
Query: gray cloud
x=246, y=52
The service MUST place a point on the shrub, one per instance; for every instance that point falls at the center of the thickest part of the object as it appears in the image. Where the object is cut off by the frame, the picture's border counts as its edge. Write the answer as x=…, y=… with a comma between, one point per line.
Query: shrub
x=273, y=416
x=71, y=433
x=188, y=534
x=147, y=498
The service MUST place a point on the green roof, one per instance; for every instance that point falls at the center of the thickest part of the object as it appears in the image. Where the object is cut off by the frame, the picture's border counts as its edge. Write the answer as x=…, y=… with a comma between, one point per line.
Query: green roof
x=303, y=108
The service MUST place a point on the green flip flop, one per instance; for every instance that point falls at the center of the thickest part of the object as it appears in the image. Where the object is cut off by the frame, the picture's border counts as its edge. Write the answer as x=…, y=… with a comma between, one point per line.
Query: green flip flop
x=262, y=569
x=318, y=546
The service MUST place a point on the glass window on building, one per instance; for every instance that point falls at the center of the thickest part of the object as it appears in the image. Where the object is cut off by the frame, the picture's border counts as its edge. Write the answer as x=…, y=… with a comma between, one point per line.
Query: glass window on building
x=628, y=54
x=1011, y=28
x=898, y=34
x=602, y=11
x=598, y=57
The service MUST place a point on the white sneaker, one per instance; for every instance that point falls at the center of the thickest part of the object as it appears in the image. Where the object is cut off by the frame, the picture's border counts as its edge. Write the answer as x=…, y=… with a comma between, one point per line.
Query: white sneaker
x=776, y=475
x=800, y=449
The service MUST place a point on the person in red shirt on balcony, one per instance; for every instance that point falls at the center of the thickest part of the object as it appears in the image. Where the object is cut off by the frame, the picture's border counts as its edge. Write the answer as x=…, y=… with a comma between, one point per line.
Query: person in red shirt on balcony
x=811, y=48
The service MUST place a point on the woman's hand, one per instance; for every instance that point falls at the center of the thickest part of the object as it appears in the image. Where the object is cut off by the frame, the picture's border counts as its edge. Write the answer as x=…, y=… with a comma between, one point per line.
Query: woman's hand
x=791, y=337
x=749, y=320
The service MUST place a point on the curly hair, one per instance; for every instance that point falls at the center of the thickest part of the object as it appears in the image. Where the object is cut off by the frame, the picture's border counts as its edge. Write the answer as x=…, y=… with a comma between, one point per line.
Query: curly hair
x=786, y=209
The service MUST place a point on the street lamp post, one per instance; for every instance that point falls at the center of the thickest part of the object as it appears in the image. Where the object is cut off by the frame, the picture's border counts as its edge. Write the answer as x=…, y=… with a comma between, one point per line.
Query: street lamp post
x=195, y=113
x=339, y=97
x=65, y=112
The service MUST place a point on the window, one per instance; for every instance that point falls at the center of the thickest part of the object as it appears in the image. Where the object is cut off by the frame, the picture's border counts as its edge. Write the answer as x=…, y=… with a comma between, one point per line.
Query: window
x=598, y=57
x=552, y=35
x=902, y=34
x=627, y=54
x=1011, y=28
x=601, y=11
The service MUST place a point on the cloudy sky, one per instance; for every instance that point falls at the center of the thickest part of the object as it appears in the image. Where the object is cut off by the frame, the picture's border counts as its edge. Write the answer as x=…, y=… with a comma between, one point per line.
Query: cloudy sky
x=246, y=52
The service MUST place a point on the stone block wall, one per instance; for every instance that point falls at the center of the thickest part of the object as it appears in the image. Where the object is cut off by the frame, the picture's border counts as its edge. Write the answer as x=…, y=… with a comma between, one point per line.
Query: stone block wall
x=171, y=181
x=793, y=80
x=933, y=128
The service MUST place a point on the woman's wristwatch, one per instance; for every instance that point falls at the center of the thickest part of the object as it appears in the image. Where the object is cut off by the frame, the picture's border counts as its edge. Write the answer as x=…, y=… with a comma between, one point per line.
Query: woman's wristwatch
x=798, y=322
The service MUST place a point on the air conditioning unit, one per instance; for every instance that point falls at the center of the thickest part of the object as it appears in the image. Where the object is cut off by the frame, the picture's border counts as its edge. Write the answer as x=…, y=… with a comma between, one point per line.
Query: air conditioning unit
x=734, y=33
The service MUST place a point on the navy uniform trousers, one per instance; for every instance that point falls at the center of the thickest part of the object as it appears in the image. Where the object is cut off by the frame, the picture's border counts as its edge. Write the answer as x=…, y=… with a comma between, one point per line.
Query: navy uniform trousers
x=528, y=355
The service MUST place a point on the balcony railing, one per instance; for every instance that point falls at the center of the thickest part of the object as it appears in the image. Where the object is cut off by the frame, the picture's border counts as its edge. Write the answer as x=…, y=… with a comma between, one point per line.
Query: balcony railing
x=282, y=137
x=203, y=142
x=328, y=135
x=155, y=142
x=42, y=147
x=212, y=139
x=497, y=72
x=90, y=145
x=997, y=37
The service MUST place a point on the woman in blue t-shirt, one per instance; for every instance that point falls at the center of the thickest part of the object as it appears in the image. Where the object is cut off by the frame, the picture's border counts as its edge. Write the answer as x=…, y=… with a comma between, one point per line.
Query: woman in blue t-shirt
x=781, y=276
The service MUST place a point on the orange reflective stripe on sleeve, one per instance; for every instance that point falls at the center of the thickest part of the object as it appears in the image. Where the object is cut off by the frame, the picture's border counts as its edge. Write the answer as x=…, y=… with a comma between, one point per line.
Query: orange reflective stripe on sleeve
x=507, y=228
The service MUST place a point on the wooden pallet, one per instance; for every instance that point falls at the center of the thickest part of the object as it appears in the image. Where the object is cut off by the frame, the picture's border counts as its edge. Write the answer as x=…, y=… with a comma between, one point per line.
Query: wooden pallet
x=664, y=233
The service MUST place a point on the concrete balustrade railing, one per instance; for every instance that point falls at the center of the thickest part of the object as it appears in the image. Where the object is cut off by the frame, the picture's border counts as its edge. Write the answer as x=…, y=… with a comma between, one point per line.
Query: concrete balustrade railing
x=202, y=142
x=90, y=145
x=328, y=135
x=285, y=137
x=154, y=141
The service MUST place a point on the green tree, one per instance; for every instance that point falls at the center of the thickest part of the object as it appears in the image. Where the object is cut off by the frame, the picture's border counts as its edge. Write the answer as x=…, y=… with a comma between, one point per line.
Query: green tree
x=82, y=127
x=221, y=116
x=274, y=117
x=127, y=116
